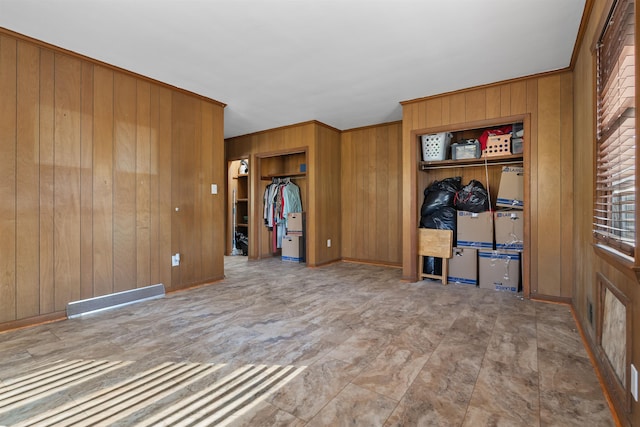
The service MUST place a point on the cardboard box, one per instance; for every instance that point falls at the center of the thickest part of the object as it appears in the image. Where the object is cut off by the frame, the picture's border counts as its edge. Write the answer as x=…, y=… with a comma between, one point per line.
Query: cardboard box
x=474, y=230
x=511, y=191
x=509, y=228
x=295, y=223
x=463, y=267
x=292, y=248
x=499, y=270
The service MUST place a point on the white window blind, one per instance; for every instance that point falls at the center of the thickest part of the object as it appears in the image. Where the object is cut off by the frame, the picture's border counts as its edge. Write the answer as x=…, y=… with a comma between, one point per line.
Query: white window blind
x=615, y=198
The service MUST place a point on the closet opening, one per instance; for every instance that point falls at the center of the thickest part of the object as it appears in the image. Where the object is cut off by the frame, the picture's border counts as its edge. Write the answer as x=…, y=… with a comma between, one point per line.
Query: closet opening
x=238, y=208
x=282, y=189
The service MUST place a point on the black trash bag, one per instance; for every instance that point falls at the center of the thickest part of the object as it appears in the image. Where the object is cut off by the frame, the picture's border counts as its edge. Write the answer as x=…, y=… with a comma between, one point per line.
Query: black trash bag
x=442, y=219
x=473, y=197
x=432, y=265
x=242, y=243
x=440, y=194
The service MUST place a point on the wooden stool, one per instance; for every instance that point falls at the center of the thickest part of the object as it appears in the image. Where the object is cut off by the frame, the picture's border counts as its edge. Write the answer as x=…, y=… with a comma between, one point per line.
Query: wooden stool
x=435, y=243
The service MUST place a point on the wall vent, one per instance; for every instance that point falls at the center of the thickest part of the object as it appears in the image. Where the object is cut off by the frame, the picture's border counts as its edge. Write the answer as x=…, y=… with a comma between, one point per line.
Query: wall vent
x=91, y=305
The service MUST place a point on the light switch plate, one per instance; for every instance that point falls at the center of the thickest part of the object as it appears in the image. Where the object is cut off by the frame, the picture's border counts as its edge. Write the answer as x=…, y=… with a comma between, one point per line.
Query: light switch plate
x=634, y=382
x=214, y=188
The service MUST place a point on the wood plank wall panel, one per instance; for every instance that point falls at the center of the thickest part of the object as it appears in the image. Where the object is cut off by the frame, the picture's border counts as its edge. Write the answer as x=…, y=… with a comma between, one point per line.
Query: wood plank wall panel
x=327, y=195
x=476, y=105
x=371, y=193
x=518, y=96
x=86, y=183
x=143, y=184
x=382, y=189
x=154, y=187
x=47, y=109
x=532, y=105
x=103, y=168
x=208, y=228
x=179, y=186
x=197, y=221
x=505, y=100
x=85, y=162
x=434, y=112
x=567, y=193
x=216, y=257
x=27, y=182
x=457, y=108
x=349, y=218
x=493, y=101
x=548, y=101
x=124, y=183
x=66, y=236
x=394, y=195
x=8, y=89
x=165, y=181
x=548, y=184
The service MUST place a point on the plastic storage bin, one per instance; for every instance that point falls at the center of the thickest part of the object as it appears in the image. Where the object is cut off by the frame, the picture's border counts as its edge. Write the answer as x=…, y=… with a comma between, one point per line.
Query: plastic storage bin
x=435, y=146
x=498, y=145
x=465, y=149
x=516, y=145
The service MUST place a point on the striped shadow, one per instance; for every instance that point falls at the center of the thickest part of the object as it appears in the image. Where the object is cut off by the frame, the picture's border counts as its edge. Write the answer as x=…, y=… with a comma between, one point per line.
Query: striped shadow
x=226, y=400
x=44, y=382
x=114, y=403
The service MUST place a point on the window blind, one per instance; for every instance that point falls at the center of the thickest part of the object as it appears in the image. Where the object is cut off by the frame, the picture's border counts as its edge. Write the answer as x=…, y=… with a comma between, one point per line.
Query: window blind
x=615, y=180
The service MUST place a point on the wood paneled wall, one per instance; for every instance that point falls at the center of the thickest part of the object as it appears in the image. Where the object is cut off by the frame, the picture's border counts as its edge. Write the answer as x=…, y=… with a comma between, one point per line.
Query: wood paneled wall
x=587, y=263
x=549, y=100
x=372, y=194
x=93, y=162
x=326, y=201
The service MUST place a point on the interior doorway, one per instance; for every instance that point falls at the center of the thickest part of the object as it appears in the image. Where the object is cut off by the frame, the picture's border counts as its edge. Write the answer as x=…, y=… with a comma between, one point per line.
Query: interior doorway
x=238, y=208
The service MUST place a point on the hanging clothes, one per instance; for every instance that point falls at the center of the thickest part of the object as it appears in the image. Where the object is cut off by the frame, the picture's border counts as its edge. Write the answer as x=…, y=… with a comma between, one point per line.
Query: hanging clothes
x=280, y=198
x=292, y=201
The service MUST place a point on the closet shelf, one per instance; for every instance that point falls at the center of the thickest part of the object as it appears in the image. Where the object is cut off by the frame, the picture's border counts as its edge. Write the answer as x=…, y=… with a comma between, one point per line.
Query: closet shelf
x=241, y=175
x=447, y=164
x=242, y=200
x=284, y=175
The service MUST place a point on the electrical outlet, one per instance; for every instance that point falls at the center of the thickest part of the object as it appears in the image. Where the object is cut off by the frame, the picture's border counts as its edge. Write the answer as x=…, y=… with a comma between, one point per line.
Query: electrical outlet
x=175, y=260
x=634, y=382
x=328, y=243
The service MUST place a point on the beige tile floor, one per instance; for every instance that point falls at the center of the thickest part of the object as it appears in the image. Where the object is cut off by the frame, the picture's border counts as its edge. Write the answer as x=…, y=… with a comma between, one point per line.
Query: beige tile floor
x=277, y=344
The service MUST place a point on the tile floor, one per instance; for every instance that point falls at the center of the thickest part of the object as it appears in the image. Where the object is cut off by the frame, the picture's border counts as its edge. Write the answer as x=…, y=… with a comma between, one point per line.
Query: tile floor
x=277, y=344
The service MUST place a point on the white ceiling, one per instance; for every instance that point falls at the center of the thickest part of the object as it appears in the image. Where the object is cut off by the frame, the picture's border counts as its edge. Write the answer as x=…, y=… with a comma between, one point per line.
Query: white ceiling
x=346, y=63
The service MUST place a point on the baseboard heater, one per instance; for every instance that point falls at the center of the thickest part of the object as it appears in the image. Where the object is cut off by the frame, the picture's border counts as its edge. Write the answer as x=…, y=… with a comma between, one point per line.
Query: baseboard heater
x=105, y=302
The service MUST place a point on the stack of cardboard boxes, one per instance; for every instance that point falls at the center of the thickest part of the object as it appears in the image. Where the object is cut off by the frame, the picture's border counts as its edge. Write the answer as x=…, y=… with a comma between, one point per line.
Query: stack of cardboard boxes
x=489, y=244
x=293, y=242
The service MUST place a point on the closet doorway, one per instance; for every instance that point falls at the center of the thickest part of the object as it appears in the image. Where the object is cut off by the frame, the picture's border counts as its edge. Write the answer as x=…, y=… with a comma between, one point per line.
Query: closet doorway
x=282, y=166
x=238, y=207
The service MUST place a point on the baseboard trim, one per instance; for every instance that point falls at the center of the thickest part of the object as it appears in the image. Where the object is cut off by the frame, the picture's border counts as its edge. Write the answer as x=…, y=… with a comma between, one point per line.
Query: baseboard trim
x=590, y=348
x=368, y=262
x=549, y=298
x=118, y=299
x=32, y=321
